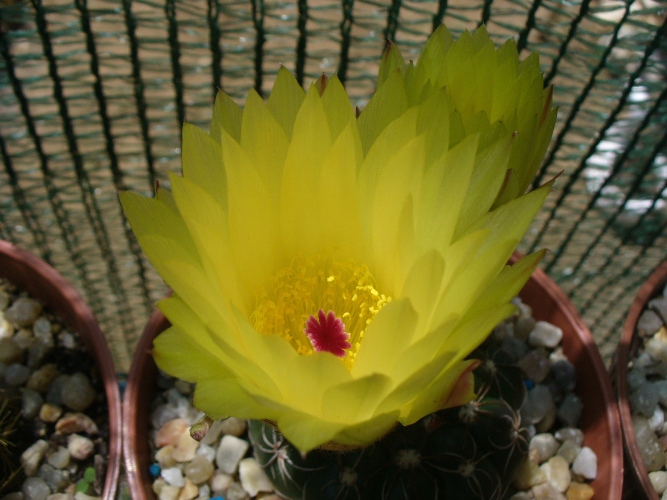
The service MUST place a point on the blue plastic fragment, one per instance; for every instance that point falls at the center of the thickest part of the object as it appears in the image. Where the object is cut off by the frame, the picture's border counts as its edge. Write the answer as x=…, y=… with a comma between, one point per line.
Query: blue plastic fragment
x=155, y=470
x=529, y=384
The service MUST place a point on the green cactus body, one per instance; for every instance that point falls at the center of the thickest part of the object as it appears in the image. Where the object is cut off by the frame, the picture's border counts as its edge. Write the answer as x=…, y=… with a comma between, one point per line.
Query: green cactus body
x=467, y=452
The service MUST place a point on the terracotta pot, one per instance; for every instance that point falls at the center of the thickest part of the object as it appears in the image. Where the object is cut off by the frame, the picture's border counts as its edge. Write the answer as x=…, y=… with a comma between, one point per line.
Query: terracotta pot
x=627, y=350
x=46, y=285
x=600, y=421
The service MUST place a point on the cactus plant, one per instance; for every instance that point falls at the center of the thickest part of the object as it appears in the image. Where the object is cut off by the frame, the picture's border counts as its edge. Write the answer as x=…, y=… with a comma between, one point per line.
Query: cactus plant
x=470, y=451
x=10, y=413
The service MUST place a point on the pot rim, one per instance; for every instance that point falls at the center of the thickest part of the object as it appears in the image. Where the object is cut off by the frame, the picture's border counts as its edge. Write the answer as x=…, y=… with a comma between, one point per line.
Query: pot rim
x=45, y=284
x=626, y=349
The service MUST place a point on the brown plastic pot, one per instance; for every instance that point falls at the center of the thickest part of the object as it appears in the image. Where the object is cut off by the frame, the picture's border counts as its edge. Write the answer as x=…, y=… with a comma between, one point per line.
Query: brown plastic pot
x=600, y=421
x=627, y=349
x=45, y=284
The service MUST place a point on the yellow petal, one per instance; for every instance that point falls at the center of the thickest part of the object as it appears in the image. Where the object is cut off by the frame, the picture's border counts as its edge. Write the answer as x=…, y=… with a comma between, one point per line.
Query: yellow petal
x=337, y=106
x=356, y=400
x=226, y=116
x=202, y=162
x=285, y=100
x=367, y=432
x=222, y=397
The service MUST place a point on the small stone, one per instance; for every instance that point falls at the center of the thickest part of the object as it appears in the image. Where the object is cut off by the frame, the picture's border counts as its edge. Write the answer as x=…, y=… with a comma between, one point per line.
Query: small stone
x=58, y=458
x=659, y=305
x=55, y=390
x=157, y=485
x=34, y=488
x=529, y=475
x=636, y=377
x=536, y=365
x=230, y=452
x=220, y=482
x=649, y=322
x=557, y=471
x=572, y=433
x=656, y=346
x=205, y=491
x=253, y=478
x=569, y=410
x=236, y=492
x=76, y=422
x=659, y=481
x=9, y=351
x=516, y=348
x=23, y=311
x=586, y=463
x=183, y=387
x=185, y=448
x=546, y=491
x=644, y=399
x=545, y=444
x=50, y=413
x=37, y=353
x=42, y=378
x=547, y=421
x=545, y=335
x=208, y=452
x=6, y=328
x=163, y=414
x=569, y=450
x=16, y=375
x=55, y=479
x=565, y=375
x=42, y=330
x=164, y=456
x=647, y=442
x=32, y=456
x=537, y=405
x=171, y=432
x=233, y=426
x=169, y=492
x=24, y=339
x=199, y=470
x=78, y=393
x=189, y=491
x=173, y=476
x=80, y=447
x=523, y=327
x=657, y=420
x=580, y=491
x=31, y=403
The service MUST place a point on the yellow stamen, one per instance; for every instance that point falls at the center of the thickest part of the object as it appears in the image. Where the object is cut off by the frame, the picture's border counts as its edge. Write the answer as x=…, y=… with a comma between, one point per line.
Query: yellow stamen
x=308, y=285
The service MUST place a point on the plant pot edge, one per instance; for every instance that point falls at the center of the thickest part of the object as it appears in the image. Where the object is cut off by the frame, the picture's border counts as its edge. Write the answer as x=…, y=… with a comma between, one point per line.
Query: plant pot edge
x=24, y=269
x=619, y=368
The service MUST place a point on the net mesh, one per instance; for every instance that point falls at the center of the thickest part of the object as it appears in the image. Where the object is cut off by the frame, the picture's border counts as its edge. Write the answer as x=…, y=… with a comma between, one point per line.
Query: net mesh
x=93, y=94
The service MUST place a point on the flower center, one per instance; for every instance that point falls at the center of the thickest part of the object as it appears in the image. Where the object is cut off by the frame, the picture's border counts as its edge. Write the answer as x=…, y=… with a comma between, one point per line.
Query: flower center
x=293, y=306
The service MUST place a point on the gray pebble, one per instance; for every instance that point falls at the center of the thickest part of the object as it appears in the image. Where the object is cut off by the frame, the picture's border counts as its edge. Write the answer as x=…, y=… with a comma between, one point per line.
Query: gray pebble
x=34, y=488
x=16, y=375
x=31, y=403
x=78, y=393
x=648, y=444
x=54, y=392
x=55, y=479
x=644, y=399
x=523, y=327
x=42, y=330
x=569, y=411
x=649, y=322
x=58, y=458
x=636, y=377
x=41, y=379
x=573, y=434
x=515, y=347
x=659, y=305
x=9, y=351
x=37, y=353
x=536, y=365
x=23, y=311
x=538, y=403
x=565, y=375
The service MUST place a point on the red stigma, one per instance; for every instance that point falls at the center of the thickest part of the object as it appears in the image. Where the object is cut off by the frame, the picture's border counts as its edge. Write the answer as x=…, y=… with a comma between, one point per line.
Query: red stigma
x=327, y=333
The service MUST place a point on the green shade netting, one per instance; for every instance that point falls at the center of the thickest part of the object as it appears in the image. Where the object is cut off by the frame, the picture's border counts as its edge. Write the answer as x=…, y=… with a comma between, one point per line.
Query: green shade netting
x=93, y=95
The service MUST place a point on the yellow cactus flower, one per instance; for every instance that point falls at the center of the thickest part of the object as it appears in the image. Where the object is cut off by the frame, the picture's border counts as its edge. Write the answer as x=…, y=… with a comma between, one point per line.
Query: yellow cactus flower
x=331, y=274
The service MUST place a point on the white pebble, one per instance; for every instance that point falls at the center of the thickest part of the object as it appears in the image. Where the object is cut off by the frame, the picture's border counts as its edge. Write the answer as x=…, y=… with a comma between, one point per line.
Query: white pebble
x=173, y=476
x=576, y=435
x=169, y=492
x=32, y=456
x=558, y=473
x=253, y=477
x=569, y=450
x=185, y=448
x=545, y=445
x=546, y=491
x=545, y=335
x=659, y=481
x=208, y=452
x=657, y=420
x=80, y=447
x=220, y=482
x=6, y=328
x=230, y=452
x=586, y=463
x=233, y=426
x=58, y=458
x=213, y=433
x=236, y=492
